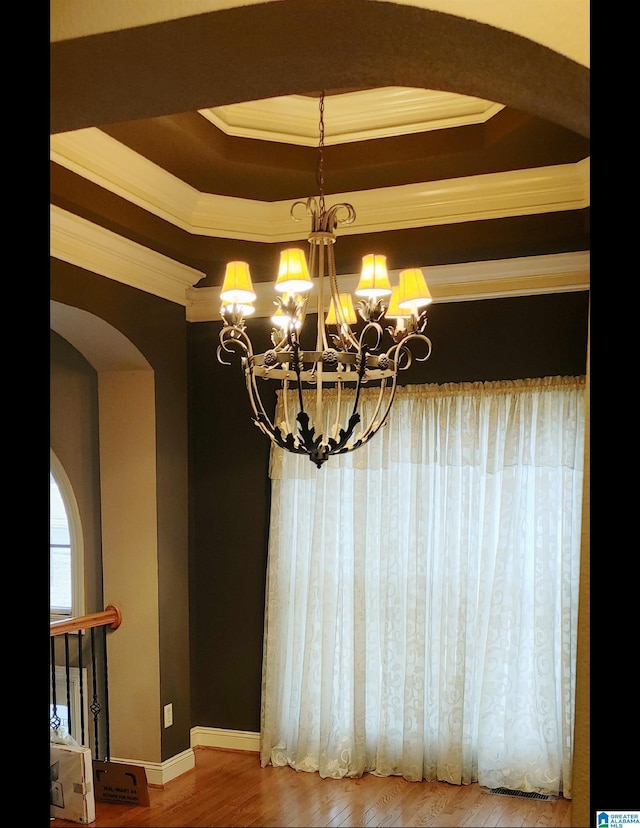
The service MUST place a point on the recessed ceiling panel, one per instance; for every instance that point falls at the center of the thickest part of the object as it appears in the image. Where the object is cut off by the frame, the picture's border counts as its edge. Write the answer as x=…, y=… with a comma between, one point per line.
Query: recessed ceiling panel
x=352, y=116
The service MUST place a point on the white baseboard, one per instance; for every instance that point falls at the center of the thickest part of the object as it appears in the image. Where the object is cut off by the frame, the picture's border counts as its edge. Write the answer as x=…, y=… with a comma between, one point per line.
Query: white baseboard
x=214, y=737
x=163, y=772
x=217, y=737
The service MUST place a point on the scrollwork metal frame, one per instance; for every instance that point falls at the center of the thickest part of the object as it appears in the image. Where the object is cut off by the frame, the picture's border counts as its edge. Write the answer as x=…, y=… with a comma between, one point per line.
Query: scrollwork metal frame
x=342, y=360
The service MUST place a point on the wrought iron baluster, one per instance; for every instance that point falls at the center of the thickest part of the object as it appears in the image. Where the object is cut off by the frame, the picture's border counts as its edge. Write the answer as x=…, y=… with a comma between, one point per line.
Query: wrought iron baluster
x=54, y=719
x=81, y=674
x=89, y=651
x=106, y=696
x=95, y=704
x=67, y=671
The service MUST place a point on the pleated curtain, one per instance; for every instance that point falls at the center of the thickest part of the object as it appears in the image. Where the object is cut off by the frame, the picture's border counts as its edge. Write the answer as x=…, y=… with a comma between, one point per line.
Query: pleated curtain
x=422, y=592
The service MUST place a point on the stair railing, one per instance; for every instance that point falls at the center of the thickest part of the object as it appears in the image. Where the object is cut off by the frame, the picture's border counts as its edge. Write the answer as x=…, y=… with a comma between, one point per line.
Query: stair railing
x=76, y=642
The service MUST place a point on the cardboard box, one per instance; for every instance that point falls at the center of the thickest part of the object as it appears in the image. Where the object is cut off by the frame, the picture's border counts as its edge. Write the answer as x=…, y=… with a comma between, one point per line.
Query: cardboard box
x=117, y=782
x=71, y=783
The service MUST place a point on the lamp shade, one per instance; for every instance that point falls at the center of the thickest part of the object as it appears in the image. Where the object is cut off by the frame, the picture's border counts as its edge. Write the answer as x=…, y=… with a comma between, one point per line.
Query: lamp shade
x=374, y=279
x=348, y=314
x=282, y=320
x=245, y=309
x=394, y=311
x=414, y=292
x=237, y=287
x=293, y=275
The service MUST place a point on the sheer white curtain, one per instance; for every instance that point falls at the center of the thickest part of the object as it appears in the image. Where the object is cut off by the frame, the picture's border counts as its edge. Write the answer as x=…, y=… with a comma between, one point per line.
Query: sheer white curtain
x=422, y=592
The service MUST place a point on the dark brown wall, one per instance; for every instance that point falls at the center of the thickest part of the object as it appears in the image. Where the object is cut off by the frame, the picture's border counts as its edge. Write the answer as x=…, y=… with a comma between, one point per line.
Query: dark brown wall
x=229, y=490
x=229, y=514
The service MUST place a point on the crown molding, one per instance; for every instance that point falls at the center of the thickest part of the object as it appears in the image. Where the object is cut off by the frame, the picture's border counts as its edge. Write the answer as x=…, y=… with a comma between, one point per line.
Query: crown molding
x=559, y=273
x=95, y=156
x=107, y=163
x=351, y=116
x=497, y=195
x=84, y=244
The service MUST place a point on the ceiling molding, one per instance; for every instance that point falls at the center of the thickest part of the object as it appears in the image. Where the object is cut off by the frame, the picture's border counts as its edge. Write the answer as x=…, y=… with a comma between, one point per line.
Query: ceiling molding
x=559, y=273
x=107, y=163
x=95, y=156
x=351, y=116
x=84, y=244
x=475, y=198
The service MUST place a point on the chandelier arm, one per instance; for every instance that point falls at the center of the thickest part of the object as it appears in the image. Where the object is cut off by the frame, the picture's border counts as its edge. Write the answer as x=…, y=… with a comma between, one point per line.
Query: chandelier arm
x=285, y=404
x=341, y=445
x=384, y=387
x=274, y=433
x=295, y=364
x=235, y=336
x=321, y=339
x=264, y=422
x=377, y=329
x=332, y=217
x=336, y=425
x=310, y=211
x=402, y=349
x=370, y=432
x=278, y=338
x=261, y=418
x=361, y=365
x=313, y=259
x=346, y=334
x=373, y=421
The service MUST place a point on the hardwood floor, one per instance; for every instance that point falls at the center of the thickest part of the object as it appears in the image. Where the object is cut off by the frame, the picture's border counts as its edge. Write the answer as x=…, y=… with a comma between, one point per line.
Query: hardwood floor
x=231, y=789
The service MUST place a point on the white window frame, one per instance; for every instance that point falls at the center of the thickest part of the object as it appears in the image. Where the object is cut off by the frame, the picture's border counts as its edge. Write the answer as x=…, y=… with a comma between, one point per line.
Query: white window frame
x=75, y=539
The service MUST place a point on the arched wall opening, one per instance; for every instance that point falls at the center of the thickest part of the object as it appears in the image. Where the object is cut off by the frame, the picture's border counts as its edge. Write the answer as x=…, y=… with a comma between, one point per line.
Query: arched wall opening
x=127, y=428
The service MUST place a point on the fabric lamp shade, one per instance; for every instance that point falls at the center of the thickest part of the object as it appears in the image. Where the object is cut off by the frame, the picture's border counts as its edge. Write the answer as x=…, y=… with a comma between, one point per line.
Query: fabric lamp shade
x=282, y=320
x=394, y=311
x=348, y=314
x=245, y=309
x=293, y=274
x=237, y=287
x=414, y=292
x=374, y=278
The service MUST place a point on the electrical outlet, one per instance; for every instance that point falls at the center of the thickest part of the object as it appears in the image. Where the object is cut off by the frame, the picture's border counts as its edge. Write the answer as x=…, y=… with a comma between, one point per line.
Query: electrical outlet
x=168, y=715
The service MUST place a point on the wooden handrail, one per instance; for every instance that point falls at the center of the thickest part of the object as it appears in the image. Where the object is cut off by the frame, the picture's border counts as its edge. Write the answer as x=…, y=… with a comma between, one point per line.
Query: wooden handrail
x=111, y=617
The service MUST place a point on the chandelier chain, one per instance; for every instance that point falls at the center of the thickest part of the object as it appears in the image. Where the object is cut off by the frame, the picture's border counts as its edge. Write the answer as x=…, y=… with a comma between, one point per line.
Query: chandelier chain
x=320, y=167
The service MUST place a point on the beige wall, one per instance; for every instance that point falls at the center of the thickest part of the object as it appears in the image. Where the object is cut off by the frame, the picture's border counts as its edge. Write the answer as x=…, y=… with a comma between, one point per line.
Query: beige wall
x=130, y=559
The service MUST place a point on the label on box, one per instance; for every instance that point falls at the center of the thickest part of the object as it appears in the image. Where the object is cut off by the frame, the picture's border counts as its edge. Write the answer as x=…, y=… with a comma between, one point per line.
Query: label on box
x=117, y=782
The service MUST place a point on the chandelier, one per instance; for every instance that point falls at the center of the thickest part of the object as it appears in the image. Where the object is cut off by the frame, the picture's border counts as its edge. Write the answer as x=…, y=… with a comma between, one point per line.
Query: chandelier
x=352, y=351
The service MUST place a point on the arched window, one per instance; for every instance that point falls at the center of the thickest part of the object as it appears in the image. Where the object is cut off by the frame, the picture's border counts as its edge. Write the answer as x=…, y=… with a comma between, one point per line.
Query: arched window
x=66, y=553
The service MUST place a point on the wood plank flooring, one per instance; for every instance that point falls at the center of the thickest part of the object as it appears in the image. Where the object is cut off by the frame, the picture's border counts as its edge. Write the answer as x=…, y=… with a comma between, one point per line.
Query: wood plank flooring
x=231, y=789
